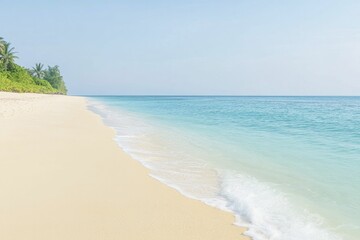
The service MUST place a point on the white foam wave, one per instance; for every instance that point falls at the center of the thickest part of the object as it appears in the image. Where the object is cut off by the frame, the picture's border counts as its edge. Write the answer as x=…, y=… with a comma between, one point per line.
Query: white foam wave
x=265, y=211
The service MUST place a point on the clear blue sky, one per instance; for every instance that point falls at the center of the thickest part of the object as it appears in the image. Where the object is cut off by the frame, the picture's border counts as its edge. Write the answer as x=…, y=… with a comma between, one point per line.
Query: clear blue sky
x=253, y=47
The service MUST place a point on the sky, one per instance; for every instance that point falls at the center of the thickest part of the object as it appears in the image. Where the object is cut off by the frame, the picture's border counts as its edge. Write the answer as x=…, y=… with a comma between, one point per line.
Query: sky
x=228, y=47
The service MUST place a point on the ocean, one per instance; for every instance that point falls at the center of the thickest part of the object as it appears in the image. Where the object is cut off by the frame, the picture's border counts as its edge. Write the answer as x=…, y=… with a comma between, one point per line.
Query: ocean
x=287, y=167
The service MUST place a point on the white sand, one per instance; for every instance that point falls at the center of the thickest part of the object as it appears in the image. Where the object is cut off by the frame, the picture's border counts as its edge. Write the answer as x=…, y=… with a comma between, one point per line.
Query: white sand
x=63, y=177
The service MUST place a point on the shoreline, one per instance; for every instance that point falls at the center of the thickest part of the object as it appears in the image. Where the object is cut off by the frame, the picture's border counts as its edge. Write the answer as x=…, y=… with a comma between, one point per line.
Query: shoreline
x=64, y=177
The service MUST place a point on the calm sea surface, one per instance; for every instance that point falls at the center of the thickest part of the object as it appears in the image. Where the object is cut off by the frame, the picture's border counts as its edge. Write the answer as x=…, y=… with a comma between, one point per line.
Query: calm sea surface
x=287, y=167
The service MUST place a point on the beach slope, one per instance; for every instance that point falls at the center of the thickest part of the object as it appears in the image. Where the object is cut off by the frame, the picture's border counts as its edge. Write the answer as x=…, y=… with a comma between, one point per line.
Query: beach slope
x=63, y=177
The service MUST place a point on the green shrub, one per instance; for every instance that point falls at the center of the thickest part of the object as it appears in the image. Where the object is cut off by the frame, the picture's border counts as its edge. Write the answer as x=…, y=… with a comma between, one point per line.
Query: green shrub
x=53, y=76
x=17, y=85
x=19, y=74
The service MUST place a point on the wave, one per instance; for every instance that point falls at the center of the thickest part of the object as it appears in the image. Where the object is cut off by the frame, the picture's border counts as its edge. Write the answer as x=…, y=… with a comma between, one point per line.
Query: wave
x=259, y=206
x=267, y=212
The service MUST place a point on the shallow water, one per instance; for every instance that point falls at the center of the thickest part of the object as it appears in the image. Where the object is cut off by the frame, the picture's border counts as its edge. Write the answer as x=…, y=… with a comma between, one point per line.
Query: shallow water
x=287, y=167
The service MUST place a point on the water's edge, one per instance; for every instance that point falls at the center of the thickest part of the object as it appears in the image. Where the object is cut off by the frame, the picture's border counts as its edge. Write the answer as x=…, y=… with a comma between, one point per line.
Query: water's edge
x=257, y=206
x=163, y=181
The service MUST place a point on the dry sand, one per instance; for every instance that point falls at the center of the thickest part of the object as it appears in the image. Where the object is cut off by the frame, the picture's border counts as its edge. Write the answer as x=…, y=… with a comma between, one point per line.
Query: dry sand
x=63, y=177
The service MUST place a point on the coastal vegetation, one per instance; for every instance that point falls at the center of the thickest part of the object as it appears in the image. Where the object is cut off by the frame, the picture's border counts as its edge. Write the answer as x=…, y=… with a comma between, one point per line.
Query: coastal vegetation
x=15, y=78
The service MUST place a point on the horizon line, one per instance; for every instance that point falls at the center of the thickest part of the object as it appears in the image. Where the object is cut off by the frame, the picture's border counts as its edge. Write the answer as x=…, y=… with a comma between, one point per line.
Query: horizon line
x=202, y=95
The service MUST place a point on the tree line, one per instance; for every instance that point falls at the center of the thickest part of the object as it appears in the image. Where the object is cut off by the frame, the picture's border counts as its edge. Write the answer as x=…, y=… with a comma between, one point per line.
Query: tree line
x=19, y=79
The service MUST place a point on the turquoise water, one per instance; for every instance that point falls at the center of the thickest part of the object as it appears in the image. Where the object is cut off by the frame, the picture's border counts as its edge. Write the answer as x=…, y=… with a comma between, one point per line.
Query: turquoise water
x=287, y=167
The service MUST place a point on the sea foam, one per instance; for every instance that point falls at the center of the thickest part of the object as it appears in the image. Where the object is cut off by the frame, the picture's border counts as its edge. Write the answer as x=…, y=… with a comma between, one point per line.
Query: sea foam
x=257, y=205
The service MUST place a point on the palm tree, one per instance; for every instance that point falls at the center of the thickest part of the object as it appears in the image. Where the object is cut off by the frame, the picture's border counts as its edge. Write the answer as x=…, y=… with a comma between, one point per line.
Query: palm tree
x=38, y=70
x=7, y=55
x=2, y=42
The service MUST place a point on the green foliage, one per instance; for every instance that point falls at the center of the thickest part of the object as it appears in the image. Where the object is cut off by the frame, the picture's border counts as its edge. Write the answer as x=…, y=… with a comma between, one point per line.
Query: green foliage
x=14, y=78
x=38, y=71
x=42, y=82
x=8, y=85
x=53, y=76
x=2, y=42
x=19, y=74
x=7, y=55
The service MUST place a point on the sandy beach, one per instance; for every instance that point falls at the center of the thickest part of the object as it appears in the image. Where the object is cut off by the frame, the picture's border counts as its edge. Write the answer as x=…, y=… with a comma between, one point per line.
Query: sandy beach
x=63, y=177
